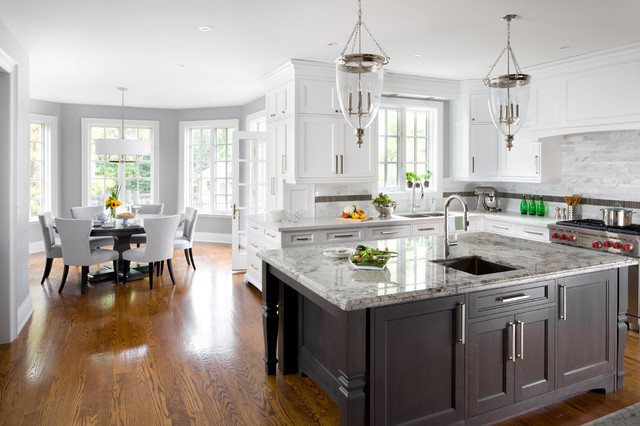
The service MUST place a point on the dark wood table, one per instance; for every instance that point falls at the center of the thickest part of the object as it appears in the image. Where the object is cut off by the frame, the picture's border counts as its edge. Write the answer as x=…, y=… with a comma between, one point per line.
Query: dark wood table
x=121, y=234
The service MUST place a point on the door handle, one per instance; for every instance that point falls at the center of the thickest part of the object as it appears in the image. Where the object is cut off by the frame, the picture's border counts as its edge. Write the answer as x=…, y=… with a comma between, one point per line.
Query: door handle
x=513, y=342
x=341, y=164
x=235, y=210
x=521, y=355
x=537, y=162
x=563, y=313
x=462, y=338
x=426, y=229
x=284, y=164
x=337, y=164
x=273, y=186
x=388, y=232
x=473, y=164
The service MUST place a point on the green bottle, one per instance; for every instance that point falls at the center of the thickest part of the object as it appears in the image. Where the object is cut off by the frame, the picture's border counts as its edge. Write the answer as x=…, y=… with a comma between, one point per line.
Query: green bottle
x=532, y=207
x=541, y=208
x=524, y=207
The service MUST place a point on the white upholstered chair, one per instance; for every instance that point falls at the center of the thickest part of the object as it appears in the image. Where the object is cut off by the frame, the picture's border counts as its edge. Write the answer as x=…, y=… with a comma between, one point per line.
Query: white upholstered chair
x=185, y=241
x=160, y=234
x=52, y=249
x=138, y=239
x=90, y=212
x=74, y=237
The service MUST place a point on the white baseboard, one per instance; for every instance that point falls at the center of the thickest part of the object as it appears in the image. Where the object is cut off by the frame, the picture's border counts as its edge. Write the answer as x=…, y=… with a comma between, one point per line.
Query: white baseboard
x=212, y=237
x=24, y=313
x=36, y=247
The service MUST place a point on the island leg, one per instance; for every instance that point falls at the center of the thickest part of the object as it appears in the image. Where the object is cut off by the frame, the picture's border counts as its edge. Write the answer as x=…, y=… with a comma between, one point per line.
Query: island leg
x=624, y=277
x=270, y=296
x=352, y=374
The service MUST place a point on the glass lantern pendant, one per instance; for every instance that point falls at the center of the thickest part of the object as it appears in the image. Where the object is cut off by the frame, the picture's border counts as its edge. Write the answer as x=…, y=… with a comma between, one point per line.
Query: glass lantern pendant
x=508, y=93
x=359, y=78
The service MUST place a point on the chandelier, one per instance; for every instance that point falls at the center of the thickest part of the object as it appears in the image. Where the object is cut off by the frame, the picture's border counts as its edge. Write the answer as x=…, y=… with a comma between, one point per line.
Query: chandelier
x=359, y=79
x=508, y=93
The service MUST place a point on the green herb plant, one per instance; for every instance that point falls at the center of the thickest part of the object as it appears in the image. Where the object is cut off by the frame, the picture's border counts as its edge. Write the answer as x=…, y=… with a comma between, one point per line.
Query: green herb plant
x=382, y=199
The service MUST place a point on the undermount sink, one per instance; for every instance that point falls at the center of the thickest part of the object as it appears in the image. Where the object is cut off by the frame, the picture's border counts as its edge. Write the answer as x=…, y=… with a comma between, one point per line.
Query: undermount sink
x=474, y=265
x=414, y=215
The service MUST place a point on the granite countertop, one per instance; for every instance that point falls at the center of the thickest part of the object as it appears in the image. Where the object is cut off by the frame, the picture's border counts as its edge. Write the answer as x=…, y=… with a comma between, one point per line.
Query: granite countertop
x=411, y=276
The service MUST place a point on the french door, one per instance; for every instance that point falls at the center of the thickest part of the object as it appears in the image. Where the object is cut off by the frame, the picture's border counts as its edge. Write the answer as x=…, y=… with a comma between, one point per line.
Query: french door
x=249, y=189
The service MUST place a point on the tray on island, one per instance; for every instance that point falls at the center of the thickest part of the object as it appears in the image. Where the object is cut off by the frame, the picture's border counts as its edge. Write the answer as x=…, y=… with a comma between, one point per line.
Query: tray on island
x=348, y=219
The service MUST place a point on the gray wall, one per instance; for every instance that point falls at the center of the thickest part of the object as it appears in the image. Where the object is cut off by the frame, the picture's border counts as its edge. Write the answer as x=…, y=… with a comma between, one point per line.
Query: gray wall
x=70, y=144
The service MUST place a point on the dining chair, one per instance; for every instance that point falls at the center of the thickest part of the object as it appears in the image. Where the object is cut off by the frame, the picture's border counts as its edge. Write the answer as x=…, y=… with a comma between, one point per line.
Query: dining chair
x=52, y=249
x=185, y=241
x=138, y=239
x=160, y=234
x=90, y=212
x=76, y=251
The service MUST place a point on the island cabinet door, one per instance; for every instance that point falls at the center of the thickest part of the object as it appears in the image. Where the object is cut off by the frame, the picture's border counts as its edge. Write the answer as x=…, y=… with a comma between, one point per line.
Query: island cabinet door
x=586, y=326
x=418, y=362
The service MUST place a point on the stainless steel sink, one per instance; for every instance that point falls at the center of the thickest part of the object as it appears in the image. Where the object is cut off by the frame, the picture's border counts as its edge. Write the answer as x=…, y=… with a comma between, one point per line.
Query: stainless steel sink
x=474, y=265
x=415, y=215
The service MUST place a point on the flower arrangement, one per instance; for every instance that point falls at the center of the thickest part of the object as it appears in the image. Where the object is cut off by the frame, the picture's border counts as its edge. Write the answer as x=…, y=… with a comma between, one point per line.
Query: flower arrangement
x=112, y=202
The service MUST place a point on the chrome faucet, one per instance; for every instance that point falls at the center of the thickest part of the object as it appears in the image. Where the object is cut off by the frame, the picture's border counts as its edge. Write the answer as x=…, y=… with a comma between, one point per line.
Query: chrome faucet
x=415, y=204
x=465, y=222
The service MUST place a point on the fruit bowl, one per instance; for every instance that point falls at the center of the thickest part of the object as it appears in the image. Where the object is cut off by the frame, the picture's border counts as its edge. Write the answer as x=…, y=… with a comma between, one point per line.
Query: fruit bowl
x=125, y=217
x=386, y=210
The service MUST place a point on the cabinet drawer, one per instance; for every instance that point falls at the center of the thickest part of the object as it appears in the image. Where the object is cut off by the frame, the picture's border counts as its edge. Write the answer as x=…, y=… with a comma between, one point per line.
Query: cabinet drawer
x=429, y=228
x=253, y=261
x=272, y=237
x=532, y=233
x=254, y=230
x=511, y=298
x=498, y=227
x=379, y=233
x=334, y=235
x=299, y=238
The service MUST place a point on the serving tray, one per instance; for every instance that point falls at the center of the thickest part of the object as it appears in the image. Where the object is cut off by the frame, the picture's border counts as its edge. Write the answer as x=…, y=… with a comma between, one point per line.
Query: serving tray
x=346, y=219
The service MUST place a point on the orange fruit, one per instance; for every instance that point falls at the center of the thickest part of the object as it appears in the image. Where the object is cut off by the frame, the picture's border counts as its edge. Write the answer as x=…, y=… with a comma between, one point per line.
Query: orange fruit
x=355, y=216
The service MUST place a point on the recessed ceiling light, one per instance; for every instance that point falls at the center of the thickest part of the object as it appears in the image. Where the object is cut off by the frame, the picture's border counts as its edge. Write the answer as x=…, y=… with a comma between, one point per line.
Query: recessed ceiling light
x=205, y=28
x=333, y=43
x=565, y=47
x=417, y=56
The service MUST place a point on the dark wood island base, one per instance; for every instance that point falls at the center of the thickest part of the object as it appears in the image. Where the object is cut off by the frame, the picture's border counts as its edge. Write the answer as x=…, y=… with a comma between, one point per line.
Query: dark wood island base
x=470, y=358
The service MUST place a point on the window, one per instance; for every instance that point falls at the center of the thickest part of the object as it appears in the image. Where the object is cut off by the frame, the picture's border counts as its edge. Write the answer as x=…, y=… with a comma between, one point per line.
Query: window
x=207, y=164
x=42, y=158
x=257, y=122
x=136, y=179
x=409, y=140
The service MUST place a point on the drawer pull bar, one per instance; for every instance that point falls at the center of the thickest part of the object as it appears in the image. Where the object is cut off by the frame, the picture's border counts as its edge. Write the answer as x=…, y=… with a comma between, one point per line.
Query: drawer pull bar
x=388, y=232
x=534, y=233
x=302, y=238
x=270, y=235
x=462, y=320
x=344, y=236
x=514, y=298
x=563, y=314
x=426, y=229
x=521, y=356
x=253, y=245
x=254, y=266
x=512, y=357
x=253, y=227
x=500, y=227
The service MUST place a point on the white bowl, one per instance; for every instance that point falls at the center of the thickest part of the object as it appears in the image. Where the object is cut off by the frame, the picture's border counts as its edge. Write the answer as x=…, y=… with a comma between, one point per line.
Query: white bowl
x=277, y=215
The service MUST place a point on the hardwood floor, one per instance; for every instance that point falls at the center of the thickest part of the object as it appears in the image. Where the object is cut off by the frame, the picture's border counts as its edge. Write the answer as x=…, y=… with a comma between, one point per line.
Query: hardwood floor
x=189, y=354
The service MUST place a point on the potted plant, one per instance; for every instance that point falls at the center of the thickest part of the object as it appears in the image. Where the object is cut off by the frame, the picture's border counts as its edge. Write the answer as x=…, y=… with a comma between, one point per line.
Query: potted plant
x=425, y=178
x=411, y=178
x=384, y=205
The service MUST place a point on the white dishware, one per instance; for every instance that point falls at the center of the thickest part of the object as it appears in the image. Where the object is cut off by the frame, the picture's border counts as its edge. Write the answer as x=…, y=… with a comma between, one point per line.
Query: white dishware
x=277, y=215
x=337, y=252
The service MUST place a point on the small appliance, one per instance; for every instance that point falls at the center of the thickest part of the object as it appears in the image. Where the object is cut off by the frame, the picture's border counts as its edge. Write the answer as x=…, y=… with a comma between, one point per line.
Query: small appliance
x=487, y=198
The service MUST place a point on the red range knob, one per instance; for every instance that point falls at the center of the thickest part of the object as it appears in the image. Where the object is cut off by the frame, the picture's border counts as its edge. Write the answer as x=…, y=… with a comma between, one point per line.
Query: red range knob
x=607, y=244
x=627, y=247
x=596, y=244
x=616, y=245
x=571, y=238
x=563, y=237
x=554, y=235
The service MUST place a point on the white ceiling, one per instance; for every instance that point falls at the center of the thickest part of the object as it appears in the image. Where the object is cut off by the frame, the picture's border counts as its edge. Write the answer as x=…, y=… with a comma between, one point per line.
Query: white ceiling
x=81, y=50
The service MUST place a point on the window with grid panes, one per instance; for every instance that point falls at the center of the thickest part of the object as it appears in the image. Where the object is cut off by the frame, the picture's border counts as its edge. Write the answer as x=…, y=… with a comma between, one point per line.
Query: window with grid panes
x=134, y=177
x=210, y=172
x=403, y=145
x=42, y=179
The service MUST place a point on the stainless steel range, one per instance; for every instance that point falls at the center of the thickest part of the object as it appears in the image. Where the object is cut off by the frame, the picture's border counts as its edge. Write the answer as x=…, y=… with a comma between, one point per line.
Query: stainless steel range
x=595, y=235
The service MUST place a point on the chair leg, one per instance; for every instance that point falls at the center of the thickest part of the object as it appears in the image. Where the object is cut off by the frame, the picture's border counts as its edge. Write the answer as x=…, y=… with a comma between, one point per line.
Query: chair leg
x=158, y=267
x=161, y=267
x=47, y=269
x=151, y=275
x=170, y=268
x=85, y=272
x=186, y=255
x=125, y=272
x=191, y=256
x=115, y=268
x=64, y=278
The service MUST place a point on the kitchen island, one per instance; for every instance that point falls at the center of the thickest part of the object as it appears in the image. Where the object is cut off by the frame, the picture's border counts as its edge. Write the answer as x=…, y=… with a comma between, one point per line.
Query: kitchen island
x=419, y=341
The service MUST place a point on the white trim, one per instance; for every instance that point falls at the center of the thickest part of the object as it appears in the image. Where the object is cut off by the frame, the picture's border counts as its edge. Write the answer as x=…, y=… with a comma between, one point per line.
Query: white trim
x=155, y=151
x=6, y=62
x=36, y=247
x=183, y=160
x=255, y=116
x=25, y=310
x=51, y=161
x=212, y=237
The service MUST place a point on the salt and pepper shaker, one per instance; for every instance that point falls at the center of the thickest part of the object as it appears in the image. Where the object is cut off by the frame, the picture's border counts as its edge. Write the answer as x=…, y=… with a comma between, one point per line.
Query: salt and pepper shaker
x=564, y=213
x=558, y=216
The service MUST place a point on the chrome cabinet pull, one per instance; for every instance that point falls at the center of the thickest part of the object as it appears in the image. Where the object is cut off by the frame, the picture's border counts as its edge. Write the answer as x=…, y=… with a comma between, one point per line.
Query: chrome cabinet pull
x=253, y=227
x=563, y=314
x=533, y=233
x=521, y=355
x=284, y=164
x=537, y=162
x=514, y=298
x=341, y=164
x=273, y=115
x=462, y=320
x=473, y=164
x=513, y=342
x=302, y=238
x=388, y=232
x=337, y=164
x=500, y=227
x=273, y=186
x=254, y=266
x=254, y=245
x=270, y=235
x=426, y=229
x=344, y=236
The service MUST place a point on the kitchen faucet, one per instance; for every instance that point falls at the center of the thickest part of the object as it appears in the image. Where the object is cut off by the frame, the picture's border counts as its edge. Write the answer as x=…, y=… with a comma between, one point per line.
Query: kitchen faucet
x=465, y=222
x=415, y=204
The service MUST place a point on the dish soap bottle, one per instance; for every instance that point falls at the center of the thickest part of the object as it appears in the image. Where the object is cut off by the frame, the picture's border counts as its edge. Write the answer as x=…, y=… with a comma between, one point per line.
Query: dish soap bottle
x=532, y=207
x=524, y=207
x=541, y=207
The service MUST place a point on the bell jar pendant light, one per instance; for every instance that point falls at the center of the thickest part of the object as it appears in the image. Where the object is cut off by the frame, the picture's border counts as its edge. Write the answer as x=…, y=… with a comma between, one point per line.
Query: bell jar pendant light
x=508, y=93
x=359, y=79
x=122, y=147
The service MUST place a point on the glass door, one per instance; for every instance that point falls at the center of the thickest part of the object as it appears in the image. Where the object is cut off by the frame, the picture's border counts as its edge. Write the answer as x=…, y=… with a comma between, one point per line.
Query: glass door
x=249, y=189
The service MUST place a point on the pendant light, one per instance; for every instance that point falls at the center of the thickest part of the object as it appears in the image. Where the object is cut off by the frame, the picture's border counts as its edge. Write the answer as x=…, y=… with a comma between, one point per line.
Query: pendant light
x=359, y=79
x=122, y=147
x=508, y=93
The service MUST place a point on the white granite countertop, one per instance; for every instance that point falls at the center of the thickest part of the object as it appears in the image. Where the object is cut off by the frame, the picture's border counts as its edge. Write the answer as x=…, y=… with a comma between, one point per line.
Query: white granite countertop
x=520, y=218
x=411, y=276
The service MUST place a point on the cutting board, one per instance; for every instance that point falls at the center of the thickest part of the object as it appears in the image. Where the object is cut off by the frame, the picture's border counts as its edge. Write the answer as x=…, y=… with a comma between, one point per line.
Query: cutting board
x=346, y=219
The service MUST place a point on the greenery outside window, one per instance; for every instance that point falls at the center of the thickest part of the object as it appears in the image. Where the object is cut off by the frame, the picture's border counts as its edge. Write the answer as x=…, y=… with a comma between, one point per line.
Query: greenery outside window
x=43, y=172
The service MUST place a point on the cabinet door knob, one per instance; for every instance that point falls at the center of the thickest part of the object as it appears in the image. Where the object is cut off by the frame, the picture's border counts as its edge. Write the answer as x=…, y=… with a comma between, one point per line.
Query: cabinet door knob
x=272, y=115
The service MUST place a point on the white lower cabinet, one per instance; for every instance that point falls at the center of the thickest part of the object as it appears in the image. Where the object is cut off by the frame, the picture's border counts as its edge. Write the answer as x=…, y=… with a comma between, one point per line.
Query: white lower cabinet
x=389, y=232
x=518, y=228
x=497, y=226
x=533, y=232
x=259, y=238
x=427, y=229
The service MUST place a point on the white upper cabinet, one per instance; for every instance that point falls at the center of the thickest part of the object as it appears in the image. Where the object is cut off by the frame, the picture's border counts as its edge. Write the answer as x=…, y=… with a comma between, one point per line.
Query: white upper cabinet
x=318, y=147
x=479, y=108
x=318, y=97
x=483, y=149
x=281, y=101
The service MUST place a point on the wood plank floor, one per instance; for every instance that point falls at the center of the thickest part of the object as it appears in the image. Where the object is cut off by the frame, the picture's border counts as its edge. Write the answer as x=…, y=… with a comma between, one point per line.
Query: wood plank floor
x=189, y=354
